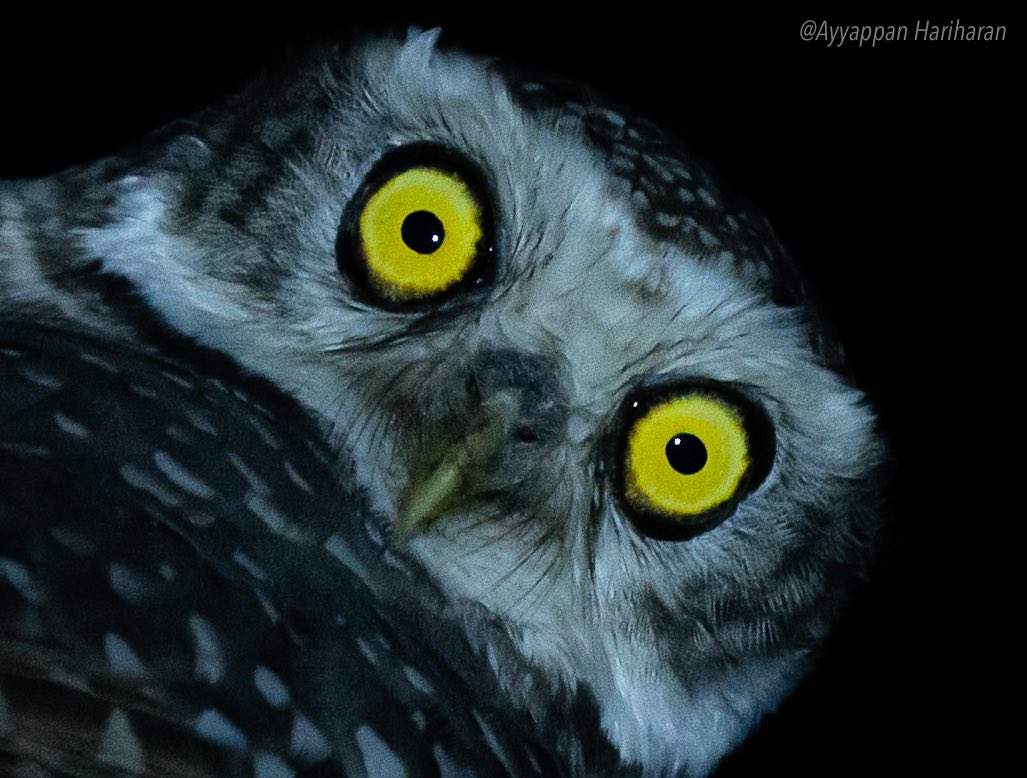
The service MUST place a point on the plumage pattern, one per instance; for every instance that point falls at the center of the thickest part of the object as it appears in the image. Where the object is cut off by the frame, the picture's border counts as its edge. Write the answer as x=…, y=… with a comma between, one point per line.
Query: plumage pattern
x=144, y=538
x=213, y=434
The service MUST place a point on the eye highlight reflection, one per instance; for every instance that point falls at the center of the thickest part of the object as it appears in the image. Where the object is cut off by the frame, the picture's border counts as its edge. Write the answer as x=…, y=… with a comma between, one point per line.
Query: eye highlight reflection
x=418, y=230
x=687, y=455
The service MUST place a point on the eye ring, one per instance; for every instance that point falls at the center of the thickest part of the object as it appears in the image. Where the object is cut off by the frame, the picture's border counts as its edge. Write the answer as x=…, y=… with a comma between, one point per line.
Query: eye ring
x=403, y=256
x=735, y=417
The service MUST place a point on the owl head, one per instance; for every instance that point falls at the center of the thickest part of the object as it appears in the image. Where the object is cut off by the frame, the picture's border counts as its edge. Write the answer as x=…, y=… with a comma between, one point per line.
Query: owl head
x=581, y=381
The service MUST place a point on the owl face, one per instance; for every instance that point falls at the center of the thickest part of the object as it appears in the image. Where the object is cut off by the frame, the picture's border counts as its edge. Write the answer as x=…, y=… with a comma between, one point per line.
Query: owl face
x=554, y=353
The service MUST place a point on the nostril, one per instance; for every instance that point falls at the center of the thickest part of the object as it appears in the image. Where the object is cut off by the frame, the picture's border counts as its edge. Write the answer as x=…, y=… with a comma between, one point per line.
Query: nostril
x=525, y=435
x=522, y=389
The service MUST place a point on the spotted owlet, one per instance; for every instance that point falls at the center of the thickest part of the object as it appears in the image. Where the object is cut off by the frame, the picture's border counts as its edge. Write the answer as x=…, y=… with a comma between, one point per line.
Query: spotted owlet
x=408, y=414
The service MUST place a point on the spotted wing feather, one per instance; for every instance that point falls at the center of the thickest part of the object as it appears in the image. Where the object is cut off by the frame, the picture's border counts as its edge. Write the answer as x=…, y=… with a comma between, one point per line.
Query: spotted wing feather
x=187, y=587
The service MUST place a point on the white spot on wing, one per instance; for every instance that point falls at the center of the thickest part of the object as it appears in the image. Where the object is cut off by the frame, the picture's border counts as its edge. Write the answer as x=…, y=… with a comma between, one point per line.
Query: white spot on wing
x=144, y=391
x=120, y=748
x=708, y=198
x=614, y=118
x=179, y=434
x=393, y=561
x=24, y=449
x=417, y=680
x=137, y=479
x=373, y=533
x=685, y=195
x=419, y=719
x=380, y=761
x=18, y=576
x=200, y=518
x=70, y=426
x=306, y=741
x=213, y=726
x=269, y=766
x=40, y=378
x=249, y=565
x=63, y=678
x=120, y=656
x=181, y=477
x=494, y=744
x=534, y=762
x=337, y=546
x=708, y=238
x=255, y=482
x=297, y=479
x=268, y=512
x=367, y=651
x=98, y=361
x=201, y=422
x=210, y=663
x=271, y=687
x=127, y=584
x=176, y=379
x=263, y=431
x=73, y=541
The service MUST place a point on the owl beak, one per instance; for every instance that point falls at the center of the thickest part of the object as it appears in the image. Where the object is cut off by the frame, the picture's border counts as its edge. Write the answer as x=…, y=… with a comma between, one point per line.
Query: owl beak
x=443, y=490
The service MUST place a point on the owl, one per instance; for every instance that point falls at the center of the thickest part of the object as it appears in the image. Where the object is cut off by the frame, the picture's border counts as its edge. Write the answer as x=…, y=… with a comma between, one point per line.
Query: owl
x=407, y=413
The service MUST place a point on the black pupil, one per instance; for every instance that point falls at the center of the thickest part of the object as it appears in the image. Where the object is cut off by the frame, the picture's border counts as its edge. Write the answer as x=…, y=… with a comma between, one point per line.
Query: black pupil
x=686, y=453
x=422, y=231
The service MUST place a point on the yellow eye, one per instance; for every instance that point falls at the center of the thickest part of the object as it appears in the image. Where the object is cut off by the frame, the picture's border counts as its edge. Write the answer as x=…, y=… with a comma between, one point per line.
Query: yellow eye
x=686, y=457
x=420, y=234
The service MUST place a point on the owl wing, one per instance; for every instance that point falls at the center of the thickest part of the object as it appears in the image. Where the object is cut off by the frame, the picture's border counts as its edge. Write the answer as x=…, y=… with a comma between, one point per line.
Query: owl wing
x=187, y=587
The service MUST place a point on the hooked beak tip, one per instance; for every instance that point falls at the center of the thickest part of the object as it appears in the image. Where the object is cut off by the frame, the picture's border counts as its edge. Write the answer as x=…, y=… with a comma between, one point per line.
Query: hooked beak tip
x=436, y=494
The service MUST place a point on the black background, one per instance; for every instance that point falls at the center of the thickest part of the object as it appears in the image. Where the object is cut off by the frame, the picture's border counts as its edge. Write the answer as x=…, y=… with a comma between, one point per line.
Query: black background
x=888, y=171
